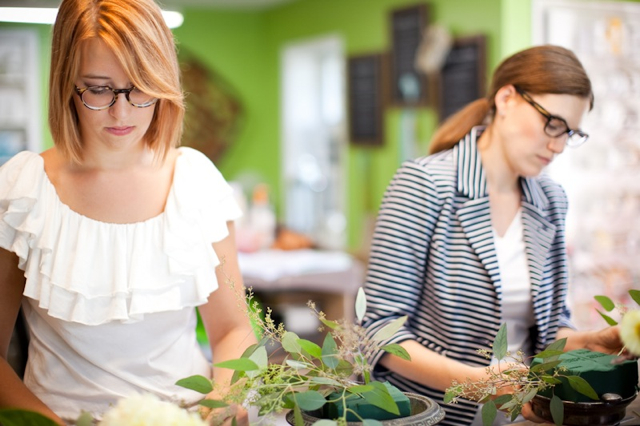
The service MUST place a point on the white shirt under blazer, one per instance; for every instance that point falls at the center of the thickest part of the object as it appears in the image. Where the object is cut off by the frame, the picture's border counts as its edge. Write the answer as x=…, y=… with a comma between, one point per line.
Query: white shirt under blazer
x=433, y=258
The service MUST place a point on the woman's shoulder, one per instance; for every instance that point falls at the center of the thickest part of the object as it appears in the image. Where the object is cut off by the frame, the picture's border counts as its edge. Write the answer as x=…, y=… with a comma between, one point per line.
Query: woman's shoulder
x=19, y=166
x=439, y=167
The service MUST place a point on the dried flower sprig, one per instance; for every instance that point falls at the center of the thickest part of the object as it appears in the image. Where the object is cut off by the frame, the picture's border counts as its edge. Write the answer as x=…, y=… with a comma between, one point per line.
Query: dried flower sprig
x=512, y=383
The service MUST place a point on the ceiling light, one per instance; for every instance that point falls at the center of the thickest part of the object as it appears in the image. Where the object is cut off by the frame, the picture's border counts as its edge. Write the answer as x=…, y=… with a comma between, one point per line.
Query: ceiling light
x=47, y=15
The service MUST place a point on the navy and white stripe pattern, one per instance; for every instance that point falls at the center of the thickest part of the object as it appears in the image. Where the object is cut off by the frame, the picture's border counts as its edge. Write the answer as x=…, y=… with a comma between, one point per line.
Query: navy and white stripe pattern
x=433, y=258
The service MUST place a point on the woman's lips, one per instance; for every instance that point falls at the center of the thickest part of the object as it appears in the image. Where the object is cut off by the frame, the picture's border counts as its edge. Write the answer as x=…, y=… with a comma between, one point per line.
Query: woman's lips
x=120, y=131
x=546, y=161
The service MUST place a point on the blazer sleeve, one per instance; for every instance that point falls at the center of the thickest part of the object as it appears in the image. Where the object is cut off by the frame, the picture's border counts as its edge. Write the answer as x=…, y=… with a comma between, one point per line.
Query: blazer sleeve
x=399, y=251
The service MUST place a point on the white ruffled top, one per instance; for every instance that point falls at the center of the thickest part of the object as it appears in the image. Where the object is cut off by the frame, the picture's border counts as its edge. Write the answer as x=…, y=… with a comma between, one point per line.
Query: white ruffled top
x=110, y=307
x=92, y=272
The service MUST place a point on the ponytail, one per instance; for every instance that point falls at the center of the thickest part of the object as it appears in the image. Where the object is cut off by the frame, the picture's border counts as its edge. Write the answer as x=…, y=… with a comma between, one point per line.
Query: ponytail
x=455, y=127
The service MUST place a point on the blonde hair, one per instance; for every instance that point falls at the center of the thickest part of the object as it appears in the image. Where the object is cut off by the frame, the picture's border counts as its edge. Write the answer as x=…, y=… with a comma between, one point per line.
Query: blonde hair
x=537, y=70
x=143, y=44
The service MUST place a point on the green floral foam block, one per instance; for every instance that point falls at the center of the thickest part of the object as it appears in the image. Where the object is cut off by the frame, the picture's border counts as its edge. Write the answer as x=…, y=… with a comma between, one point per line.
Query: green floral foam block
x=366, y=410
x=596, y=368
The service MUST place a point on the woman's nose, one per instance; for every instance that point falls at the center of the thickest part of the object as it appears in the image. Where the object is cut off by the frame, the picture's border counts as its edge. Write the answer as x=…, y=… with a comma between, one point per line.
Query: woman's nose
x=121, y=106
x=557, y=145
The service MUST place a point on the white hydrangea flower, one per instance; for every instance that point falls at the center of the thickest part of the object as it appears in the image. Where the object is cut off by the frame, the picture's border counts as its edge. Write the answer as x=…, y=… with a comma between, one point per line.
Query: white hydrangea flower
x=630, y=331
x=149, y=410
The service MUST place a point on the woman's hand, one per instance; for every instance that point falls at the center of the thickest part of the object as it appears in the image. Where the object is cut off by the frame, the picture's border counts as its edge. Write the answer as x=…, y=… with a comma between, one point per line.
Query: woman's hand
x=224, y=416
x=527, y=413
x=606, y=340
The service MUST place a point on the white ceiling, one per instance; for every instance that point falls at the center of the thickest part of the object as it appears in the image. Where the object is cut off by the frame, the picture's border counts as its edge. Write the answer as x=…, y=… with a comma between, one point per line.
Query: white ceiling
x=209, y=4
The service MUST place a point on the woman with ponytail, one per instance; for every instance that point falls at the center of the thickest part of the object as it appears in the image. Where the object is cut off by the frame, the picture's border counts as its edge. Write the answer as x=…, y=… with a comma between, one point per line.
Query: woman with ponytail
x=473, y=235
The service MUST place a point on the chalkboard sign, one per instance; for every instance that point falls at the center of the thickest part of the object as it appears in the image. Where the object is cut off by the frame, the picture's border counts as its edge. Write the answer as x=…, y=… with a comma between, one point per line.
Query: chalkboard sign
x=409, y=86
x=366, y=99
x=463, y=76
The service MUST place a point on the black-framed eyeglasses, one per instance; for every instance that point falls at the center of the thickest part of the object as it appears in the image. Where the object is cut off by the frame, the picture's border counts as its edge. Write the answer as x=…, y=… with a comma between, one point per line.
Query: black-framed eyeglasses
x=556, y=126
x=97, y=98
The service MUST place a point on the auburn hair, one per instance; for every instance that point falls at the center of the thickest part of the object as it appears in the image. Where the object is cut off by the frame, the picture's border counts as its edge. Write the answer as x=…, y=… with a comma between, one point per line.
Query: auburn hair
x=543, y=69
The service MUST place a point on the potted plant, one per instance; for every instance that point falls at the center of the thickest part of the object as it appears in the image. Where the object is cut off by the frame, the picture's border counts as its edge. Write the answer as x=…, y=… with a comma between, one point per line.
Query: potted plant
x=562, y=387
x=327, y=384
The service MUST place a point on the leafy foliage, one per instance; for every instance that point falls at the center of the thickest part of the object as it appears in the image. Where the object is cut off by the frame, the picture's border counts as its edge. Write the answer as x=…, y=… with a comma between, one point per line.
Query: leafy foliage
x=512, y=383
x=309, y=372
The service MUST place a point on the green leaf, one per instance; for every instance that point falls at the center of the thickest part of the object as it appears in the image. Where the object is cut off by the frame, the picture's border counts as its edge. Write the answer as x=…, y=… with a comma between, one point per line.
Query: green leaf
x=330, y=352
x=607, y=318
x=344, y=368
x=331, y=324
x=196, y=383
x=290, y=343
x=635, y=295
x=371, y=422
x=548, y=353
x=310, y=348
x=360, y=388
x=234, y=422
x=246, y=354
x=324, y=381
x=551, y=380
x=557, y=410
x=261, y=358
x=500, y=343
x=296, y=364
x=502, y=399
x=581, y=385
x=390, y=329
x=397, y=350
x=381, y=398
x=449, y=395
x=240, y=364
x=545, y=366
x=529, y=396
x=605, y=302
x=309, y=400
x=361, y=305
x=558, y=345
x=367, y=376
x=213, y=403
x=297, y=416
x=85, y=419
x=489, y=412
x=17, y=417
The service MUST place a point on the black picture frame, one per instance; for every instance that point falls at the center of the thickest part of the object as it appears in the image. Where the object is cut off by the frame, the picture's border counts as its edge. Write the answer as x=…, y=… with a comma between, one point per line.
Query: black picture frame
x=366, y=93
x=463, y=77
x=408, y=25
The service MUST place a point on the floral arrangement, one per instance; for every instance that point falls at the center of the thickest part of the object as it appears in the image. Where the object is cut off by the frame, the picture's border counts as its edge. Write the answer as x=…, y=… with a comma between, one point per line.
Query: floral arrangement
x=512, y=383
x=310, y=375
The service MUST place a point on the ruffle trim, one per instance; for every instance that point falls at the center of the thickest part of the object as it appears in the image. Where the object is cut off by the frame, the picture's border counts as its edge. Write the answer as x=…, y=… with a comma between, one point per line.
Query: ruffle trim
x=92, y=272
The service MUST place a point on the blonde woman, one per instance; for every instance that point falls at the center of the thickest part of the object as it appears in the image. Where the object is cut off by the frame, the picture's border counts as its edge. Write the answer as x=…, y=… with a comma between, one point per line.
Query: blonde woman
x=114, y=237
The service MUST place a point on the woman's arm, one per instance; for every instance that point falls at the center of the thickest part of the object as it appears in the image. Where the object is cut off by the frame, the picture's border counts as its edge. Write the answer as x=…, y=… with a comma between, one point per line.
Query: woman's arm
x=224, y=315
x=606, y=340
x=430, y=368
x=13, y=392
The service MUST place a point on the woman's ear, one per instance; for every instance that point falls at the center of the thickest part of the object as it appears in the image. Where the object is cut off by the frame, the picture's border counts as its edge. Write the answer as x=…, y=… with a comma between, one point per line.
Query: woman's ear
x=504, y=99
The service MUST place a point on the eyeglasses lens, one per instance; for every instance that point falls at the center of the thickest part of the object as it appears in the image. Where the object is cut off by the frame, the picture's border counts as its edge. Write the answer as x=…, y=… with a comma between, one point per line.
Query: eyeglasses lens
x=102, y=97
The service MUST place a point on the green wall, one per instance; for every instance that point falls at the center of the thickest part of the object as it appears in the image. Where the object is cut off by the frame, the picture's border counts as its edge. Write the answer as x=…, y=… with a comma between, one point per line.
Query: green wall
x=245, y=47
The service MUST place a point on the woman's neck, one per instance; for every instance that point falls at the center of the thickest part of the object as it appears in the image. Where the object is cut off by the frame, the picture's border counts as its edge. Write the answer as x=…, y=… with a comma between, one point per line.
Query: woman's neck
x=500, y=177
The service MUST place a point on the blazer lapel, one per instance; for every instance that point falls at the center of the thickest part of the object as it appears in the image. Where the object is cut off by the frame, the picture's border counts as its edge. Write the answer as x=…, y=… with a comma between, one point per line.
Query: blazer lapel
x=475, y=214
x=539, y=232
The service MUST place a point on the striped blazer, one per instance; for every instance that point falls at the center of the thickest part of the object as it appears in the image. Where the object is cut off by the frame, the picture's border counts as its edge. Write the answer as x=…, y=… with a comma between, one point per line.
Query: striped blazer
x=433, y=258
